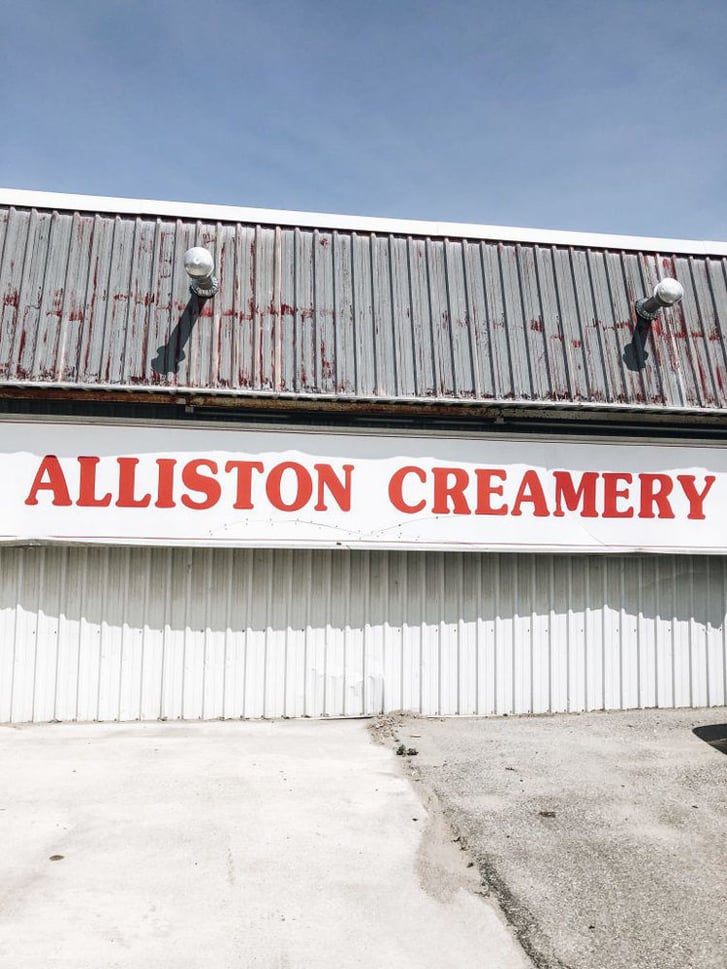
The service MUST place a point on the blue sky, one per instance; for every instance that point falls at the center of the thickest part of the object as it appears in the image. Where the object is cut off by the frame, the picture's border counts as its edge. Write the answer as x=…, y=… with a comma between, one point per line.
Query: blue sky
x=604, y=116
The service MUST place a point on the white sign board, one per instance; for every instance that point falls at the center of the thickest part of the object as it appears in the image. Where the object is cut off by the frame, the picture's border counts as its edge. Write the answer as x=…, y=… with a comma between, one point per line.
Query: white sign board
x=181, y=485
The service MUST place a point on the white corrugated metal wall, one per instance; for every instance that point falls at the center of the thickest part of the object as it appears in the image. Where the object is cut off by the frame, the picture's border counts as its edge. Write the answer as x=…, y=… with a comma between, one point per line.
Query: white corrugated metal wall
x=128, y=633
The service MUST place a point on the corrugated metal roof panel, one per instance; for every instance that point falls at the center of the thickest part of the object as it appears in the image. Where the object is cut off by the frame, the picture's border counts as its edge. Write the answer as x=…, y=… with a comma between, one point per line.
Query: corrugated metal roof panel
x=102, y=301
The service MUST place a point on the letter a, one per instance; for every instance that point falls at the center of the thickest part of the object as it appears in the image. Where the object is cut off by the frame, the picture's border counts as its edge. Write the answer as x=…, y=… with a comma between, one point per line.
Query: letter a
x=56, y=482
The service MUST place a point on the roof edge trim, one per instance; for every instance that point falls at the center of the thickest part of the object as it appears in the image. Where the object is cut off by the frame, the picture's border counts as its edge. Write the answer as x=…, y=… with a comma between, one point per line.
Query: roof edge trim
x=453, y=404
x=460, y=230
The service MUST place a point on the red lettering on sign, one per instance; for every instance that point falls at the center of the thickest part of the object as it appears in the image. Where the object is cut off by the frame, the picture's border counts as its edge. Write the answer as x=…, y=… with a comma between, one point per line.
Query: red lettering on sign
x=612, y=493
x=446, y=489
x=566, y=493
x=396, y=485
x=486, y=489
x=244, y=470
x=340, y=490
x=655, y=490
x=201, y=483
x=165, y=488
x=304, y=486
x=87, y=485
x=56, y=482
x=127, y=484
x=694, y=497
x=531, y=491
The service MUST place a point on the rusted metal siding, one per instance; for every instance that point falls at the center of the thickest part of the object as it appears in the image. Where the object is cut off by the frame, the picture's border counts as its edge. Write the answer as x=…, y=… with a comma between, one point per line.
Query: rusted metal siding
x=130, y=633
x=101, y=301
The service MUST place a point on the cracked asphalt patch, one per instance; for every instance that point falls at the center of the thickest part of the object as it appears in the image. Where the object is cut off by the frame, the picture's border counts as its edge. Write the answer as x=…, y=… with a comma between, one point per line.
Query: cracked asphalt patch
x=603, y=836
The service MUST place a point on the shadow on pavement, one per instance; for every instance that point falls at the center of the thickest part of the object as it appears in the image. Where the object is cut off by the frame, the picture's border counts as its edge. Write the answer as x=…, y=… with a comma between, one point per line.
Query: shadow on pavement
x=714, y=734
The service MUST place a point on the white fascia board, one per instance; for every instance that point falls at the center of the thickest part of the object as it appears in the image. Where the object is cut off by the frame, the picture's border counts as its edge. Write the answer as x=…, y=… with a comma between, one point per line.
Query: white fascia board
x=453, y=230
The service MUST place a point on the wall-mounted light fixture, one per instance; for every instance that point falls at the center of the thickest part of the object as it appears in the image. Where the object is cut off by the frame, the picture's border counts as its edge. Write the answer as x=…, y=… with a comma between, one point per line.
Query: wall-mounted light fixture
x=667, y=292
x=199, y=264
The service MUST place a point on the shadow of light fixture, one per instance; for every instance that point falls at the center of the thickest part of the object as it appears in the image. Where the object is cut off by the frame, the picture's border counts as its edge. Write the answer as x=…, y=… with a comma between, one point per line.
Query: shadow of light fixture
x=199, y=265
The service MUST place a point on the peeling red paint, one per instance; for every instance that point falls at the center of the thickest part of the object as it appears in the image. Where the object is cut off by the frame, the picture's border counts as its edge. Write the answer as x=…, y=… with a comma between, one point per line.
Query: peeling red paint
x=703, y=381
x=326, y=365
x=114, y=340
x=57, y=304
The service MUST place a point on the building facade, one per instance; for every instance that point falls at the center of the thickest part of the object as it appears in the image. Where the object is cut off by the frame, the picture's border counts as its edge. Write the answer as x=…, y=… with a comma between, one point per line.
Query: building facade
x=384, y=465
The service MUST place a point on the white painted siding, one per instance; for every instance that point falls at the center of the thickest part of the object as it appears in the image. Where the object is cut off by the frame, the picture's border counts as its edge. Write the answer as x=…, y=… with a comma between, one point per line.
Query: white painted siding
x=129, y=633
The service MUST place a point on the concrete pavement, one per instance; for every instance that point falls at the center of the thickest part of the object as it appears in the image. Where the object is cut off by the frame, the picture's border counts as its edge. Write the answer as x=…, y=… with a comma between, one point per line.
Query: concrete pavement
x=283, y=845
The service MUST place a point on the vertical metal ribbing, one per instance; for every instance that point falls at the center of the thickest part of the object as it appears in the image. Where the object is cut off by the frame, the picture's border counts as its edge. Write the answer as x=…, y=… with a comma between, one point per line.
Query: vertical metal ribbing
x=186, y=633
x=289, y=593
x=249, y=563
x=570, y=622
x=61, y=599
x=277, y=322
x=228, y=678
x=267, y=619
x=13, y=644
x=374, y=341
x=327, y=639
x=673, y=630
x=125, y=631
x=166, y=635
x=143, y=659
x=724, y=632
x=206, y=578
x=639, y=643
x=707, y=636
x=603, y=699
x=81, y=574
x=621, y=618
x=690, y=640
x=436, y=362
x=551, y=631
x=644, y=628
x=498, y=633
x=488, y=325
x=307, y=680
x=517, y=608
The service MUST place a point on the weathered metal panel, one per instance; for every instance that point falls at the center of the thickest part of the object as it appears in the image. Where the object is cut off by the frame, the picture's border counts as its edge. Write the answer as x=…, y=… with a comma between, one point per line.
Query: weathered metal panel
x=101, y=301
x=131, y=633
